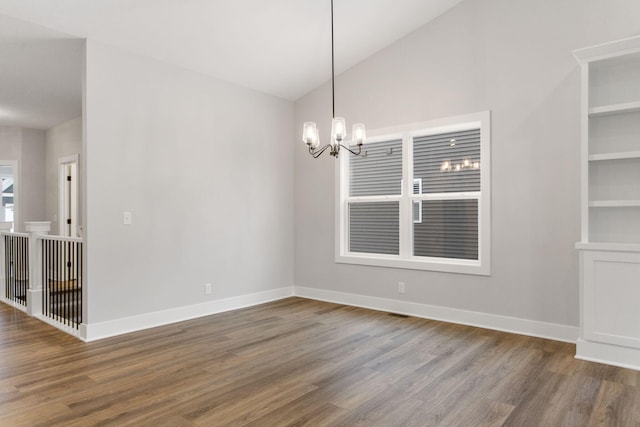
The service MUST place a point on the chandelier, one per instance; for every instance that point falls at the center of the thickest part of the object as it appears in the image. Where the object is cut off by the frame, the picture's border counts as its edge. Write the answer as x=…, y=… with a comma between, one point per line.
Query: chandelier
x=311, y=135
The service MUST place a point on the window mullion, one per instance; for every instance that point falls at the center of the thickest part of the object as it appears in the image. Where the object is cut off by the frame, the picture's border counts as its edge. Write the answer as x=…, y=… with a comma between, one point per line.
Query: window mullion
x=342, y=230
x=405, y=202
x=448, y=196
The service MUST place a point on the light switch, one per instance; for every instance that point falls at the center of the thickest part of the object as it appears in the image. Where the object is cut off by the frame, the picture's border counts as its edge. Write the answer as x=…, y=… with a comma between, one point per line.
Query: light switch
x=127, y=218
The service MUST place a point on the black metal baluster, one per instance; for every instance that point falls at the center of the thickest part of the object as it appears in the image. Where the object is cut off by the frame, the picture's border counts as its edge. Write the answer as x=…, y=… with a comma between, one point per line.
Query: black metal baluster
x=72, y=285
x=67, y=299
x=45, y=276
x=14, y=266
x=50, y=277
x=75, y=284
x=22, y=276
x=25, y=283
x=55, y=282
x=7, y=256
x=81, y=281
x=7, y=264
x=42, y=282
x=46, y=281
x=59, y=296
x=20, y=257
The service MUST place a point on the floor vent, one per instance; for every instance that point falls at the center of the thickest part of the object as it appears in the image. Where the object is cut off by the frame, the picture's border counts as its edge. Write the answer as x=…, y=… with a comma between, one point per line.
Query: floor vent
x=398, y=315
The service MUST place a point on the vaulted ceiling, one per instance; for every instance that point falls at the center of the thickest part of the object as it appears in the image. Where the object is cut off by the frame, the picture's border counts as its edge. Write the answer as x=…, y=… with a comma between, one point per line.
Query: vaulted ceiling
x=280, y=47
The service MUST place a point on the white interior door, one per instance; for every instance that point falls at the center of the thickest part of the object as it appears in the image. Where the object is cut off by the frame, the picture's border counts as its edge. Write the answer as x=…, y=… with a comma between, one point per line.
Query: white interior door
x=68, y=197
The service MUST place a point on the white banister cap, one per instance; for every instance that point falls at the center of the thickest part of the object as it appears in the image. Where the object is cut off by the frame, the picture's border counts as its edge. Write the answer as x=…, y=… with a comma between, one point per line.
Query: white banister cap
x=37, y=226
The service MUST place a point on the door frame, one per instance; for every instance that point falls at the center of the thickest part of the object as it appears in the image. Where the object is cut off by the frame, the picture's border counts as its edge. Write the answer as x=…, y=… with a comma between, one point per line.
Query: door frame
x=62, y=220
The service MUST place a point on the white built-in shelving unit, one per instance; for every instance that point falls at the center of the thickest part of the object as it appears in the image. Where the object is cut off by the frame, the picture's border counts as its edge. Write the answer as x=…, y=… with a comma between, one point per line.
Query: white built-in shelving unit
x=610, y=241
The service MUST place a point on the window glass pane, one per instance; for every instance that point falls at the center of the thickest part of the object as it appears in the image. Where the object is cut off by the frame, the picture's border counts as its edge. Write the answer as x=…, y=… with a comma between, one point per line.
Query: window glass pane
x=447, y=162
x=377, y=171
x=449, y=229
x=374, y=227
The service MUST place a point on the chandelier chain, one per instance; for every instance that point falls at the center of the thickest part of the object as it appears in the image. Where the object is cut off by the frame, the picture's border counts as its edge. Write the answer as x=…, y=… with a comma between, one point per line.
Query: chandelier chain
x=333, y=71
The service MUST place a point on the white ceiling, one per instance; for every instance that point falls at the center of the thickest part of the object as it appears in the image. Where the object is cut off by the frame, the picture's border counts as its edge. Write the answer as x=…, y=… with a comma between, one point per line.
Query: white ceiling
x=40, y=75
x=280, y=47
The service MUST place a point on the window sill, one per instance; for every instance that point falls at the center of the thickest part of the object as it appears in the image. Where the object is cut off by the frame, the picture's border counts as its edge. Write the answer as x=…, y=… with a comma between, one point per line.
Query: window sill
x=433, y=264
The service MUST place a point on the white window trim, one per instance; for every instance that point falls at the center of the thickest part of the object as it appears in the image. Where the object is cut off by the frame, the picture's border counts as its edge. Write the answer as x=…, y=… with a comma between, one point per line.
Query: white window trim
x=482, y=266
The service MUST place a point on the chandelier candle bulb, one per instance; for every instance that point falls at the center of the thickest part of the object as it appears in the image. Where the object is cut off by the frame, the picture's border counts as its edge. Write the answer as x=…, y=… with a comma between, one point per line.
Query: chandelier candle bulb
x=359, y=135
x=310, y=134
x=338, y=127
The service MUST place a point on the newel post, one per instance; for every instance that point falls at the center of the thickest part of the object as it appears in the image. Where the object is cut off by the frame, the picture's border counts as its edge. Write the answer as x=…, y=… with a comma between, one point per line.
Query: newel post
x=34, y=294
x=5, y=227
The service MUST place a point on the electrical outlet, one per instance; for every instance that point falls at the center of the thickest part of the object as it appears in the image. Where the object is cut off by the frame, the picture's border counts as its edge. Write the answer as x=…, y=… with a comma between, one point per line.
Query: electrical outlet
x=401, y=287
x=207, y=289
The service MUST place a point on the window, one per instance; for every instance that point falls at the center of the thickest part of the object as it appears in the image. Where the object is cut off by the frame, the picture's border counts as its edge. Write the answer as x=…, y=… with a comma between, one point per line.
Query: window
x=440, y=220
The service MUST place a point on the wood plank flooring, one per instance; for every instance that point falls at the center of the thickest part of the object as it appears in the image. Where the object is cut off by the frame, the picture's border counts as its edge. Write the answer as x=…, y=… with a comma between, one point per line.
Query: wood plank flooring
x=300, y=362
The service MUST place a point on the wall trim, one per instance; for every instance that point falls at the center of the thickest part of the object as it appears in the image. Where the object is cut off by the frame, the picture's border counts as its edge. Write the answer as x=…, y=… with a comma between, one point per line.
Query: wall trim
x=609, y=354
x=496, y=322
x=586, y=350
x=13, y=304
x=96, y=331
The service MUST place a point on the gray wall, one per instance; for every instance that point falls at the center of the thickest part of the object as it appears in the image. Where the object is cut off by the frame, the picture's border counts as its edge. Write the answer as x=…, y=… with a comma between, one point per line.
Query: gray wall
x=512, y=57
x=27, y=147
x=205, y=167
x=10, y=143
x=62, y=140
x=32, y=188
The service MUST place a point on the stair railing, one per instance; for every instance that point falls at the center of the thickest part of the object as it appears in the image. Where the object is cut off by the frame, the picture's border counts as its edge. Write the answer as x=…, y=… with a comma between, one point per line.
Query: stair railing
x=43, y=275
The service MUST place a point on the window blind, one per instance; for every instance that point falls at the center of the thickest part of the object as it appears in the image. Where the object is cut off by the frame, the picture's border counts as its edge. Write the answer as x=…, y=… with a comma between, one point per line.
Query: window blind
x=378, y=172
x=374, y=227
x=449, y=229
x=436, y=157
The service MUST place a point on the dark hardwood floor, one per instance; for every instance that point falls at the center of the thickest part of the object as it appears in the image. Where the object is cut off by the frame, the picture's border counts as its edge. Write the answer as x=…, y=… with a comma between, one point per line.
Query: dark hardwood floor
x=300, y=362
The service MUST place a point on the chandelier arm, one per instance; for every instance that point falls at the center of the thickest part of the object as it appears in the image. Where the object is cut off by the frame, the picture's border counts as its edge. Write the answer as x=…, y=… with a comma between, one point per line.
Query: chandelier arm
x=351, y=151
x=318, y=153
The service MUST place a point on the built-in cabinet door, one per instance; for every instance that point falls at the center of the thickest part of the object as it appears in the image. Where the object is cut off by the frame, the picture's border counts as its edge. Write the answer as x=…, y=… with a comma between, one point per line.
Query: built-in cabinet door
x=611, y=297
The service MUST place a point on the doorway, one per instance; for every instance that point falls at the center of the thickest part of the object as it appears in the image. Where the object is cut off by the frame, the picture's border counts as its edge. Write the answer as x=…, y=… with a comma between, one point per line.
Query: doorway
x=9, y=192
x=68, y=199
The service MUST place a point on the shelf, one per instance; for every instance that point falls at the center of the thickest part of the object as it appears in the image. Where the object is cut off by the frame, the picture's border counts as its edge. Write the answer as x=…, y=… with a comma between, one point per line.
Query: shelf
x=614, y=204
x=615, y=156
x=609, y=50
x=605, y=110
x=616, y=247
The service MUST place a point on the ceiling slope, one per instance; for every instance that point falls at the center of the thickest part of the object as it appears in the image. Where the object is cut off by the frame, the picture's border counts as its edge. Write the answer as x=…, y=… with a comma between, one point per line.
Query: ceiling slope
x=280, y=47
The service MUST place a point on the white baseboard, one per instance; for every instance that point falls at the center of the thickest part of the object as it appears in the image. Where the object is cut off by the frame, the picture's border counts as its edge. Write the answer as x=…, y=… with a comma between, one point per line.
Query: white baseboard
x=96, y=331
x=59, y=325
x=14, y=304
x=452, y=315
x=608, y=354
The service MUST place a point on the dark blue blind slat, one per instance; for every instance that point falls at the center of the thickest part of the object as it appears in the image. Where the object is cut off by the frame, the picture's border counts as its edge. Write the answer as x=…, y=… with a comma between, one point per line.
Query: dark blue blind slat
x=431, y=152
x=378, y=171
x=374, y=227
x=449, y=229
